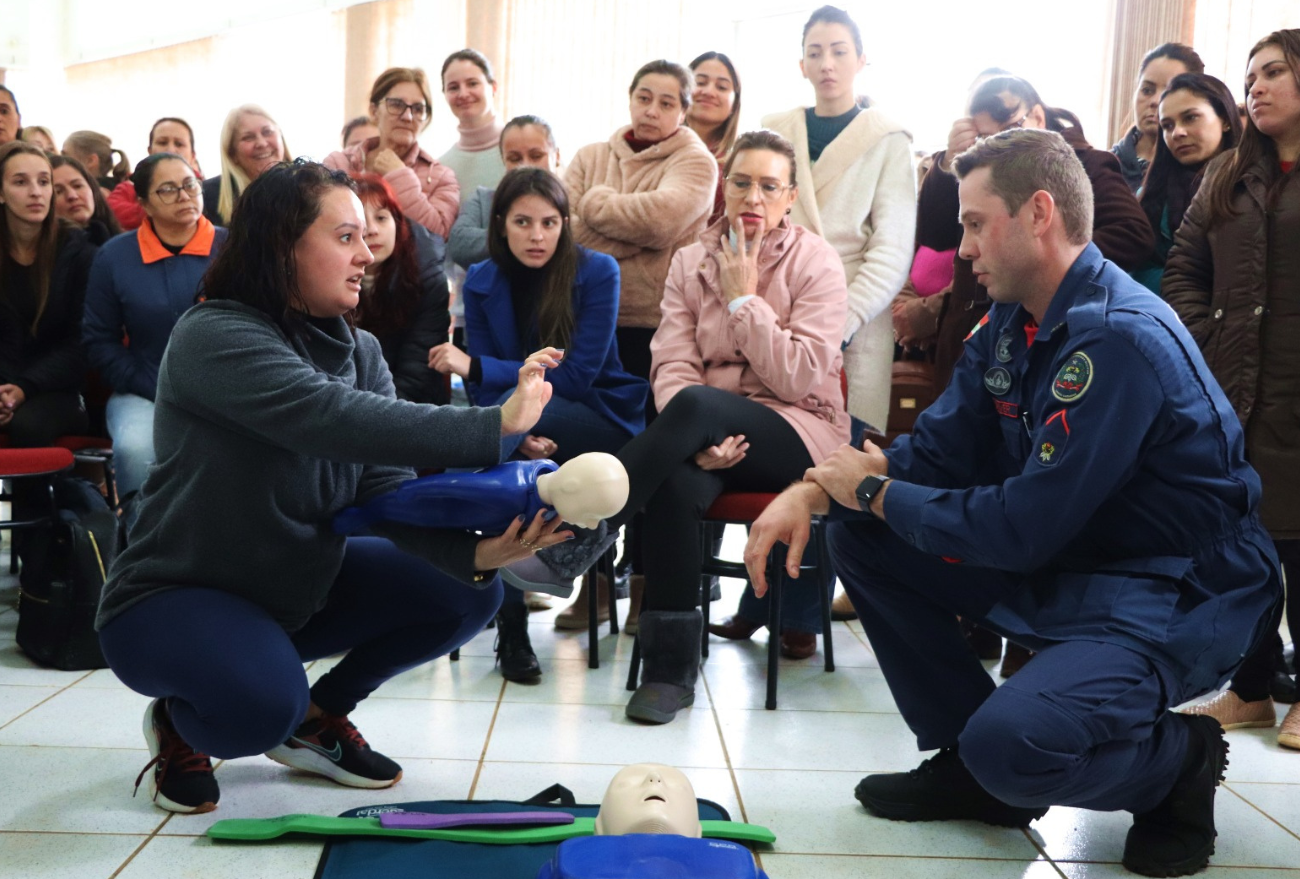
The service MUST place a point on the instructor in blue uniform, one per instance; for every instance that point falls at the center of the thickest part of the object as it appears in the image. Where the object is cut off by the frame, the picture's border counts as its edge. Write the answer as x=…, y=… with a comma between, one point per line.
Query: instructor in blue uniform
x=1079, y=487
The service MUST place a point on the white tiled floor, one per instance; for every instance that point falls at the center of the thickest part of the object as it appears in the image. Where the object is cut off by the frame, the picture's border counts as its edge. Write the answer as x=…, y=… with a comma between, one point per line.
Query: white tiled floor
x=70, y=748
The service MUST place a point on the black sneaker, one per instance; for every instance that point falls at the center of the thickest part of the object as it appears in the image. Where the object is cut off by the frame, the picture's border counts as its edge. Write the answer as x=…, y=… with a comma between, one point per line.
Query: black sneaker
x=940, y=789
x=514, y=649
x=332, y=747
x=182, y=779
x=1176, y=838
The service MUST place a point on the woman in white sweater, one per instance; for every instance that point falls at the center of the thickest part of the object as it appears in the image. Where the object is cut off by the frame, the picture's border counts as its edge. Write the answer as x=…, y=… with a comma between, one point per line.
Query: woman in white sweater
x=860, y=195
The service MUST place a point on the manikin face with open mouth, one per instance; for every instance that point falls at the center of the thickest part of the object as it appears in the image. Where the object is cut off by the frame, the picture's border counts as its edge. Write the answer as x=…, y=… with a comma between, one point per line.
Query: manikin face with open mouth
x=649, y=798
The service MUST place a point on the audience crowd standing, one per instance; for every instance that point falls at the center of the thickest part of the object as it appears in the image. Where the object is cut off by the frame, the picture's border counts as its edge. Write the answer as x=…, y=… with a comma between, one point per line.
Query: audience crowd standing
x=719, y=310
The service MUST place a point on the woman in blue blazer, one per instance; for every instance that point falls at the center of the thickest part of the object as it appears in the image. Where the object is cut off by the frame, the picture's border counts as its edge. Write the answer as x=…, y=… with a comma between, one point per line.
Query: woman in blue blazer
x=540, y=288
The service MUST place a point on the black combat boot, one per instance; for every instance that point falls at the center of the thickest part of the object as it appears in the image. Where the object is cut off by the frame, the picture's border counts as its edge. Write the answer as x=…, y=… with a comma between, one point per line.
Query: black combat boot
x=1176, y=838
x=940, y=789
x=514, y=650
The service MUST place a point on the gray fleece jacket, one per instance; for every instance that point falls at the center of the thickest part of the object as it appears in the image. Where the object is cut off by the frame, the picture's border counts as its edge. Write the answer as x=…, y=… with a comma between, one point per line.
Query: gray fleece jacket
x=260, y=440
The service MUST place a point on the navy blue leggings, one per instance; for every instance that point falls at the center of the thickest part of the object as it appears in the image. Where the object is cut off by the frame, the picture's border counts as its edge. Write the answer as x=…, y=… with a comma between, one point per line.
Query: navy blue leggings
x=235, y=677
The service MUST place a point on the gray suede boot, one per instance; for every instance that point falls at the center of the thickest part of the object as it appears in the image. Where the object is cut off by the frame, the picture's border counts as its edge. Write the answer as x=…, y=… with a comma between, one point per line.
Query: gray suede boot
x=670, y=664
x=554, y=569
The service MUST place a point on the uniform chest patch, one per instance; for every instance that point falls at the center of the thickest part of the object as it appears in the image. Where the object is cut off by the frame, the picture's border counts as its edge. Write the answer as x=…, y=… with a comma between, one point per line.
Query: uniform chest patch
x=1004, y=348
x=998, y=381
x=1073, y=379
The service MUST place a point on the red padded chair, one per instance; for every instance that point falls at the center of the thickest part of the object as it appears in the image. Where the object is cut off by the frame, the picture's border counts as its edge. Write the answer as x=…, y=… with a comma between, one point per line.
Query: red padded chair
x=35, y=464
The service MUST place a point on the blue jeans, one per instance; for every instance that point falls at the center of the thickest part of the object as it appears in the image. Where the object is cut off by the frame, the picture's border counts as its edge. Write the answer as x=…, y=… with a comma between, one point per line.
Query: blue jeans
x=130, y=424
x=234, y=676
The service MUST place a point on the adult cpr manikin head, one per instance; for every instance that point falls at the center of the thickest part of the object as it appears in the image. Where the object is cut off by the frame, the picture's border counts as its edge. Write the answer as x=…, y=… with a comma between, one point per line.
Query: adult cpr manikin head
x=649, y=798
x=585, y=490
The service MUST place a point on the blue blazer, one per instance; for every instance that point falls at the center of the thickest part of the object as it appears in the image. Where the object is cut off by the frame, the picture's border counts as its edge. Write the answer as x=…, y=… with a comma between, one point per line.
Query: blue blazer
x=590, y=373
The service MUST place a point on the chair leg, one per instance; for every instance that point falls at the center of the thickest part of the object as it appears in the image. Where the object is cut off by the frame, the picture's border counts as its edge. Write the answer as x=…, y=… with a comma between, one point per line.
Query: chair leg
x=825, y=579
x=590, y=585
x=775, y=582
x=454, y=655
x=705, y=547
x=634, y=673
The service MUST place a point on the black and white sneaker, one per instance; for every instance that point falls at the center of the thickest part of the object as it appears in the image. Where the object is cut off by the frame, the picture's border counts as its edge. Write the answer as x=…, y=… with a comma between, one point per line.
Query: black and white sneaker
x=181, y=779
x=331, y=746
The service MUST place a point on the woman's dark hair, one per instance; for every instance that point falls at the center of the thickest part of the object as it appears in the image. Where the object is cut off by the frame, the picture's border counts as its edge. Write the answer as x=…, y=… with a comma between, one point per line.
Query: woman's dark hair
x=178, y=121
x=555, y=280
x=833, y=15
x=522, y=122
x=1179, y=52
x=988, y=99
x=142, y=176
x=13, y=99
x=92, y=143
x=351, y=126
x=1168, y=181
x=1255, y=145
x=761, y=140
x=391, y=303
x=473, y=56
x=47, y=242
x=257, y=266
x=666, y=68
x=102, y=213
x=723, y=138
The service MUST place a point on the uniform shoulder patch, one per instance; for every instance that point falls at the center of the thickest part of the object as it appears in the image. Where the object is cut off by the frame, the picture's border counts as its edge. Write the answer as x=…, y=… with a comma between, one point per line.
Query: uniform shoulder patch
x=1073, y=379
x=976, y=328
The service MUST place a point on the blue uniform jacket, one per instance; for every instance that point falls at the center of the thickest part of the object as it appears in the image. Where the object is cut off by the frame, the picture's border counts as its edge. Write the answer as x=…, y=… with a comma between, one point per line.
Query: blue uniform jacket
x=1104, y=466
x=144, y=298
x=591, y=372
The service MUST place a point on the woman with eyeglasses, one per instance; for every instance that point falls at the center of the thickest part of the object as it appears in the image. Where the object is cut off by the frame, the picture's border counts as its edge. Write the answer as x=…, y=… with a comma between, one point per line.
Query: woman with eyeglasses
x=251, y=143
x=169, y=134
x=470, y=91
x=401, y=106
x=746, y=375
x=140, y=285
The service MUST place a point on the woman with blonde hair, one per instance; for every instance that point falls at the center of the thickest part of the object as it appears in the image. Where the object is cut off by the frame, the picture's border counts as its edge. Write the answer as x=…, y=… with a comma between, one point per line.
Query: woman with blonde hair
x=39, y=135
x=251, y=142
x=401, y=105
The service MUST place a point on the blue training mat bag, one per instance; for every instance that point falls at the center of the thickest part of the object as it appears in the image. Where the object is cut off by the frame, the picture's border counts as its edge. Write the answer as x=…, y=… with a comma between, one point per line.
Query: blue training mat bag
x=650, y=856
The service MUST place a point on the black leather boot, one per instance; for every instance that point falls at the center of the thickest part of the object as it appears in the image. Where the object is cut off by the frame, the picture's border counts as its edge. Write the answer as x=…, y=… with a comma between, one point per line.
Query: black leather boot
x=940, y=789
x=1176, y=838
x=514, y=650
x=670, y=664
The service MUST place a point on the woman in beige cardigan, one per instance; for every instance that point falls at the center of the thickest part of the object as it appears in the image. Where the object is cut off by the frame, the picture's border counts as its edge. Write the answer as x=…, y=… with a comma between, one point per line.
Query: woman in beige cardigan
x=640, y=197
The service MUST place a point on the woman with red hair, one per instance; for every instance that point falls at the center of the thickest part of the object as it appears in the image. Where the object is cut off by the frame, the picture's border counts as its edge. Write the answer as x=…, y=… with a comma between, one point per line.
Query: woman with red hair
x=404, y=293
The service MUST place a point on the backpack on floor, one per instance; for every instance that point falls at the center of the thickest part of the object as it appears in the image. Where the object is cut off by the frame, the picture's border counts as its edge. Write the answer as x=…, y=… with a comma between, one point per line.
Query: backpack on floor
x=63, y=573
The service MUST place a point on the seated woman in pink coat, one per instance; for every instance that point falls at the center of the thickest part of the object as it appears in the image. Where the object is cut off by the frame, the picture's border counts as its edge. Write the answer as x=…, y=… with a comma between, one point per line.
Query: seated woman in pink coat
x=401, y=106
x=746, y=375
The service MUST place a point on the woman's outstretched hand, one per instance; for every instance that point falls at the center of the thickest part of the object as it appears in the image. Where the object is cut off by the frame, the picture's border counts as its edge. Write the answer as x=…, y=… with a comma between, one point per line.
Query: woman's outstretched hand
x=519, y=542
x=524, y=407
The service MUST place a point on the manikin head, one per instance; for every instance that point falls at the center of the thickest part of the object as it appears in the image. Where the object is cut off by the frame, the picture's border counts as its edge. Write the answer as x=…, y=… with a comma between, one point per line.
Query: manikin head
x=585, y=490
x=649, y=798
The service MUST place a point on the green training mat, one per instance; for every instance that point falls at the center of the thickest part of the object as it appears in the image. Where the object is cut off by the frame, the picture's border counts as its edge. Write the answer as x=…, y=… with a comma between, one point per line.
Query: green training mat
x=256, y=829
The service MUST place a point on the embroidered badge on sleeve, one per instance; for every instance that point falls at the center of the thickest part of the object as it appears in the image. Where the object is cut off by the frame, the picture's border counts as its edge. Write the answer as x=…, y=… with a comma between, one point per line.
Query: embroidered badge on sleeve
x=1073, y=379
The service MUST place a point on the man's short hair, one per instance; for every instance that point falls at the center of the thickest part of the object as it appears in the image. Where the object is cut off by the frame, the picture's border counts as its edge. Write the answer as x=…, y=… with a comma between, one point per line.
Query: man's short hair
x=1023, y=161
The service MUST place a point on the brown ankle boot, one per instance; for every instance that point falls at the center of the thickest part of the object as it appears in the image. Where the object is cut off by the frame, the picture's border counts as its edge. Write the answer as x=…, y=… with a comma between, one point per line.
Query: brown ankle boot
x=575, y=615
x=636, y=592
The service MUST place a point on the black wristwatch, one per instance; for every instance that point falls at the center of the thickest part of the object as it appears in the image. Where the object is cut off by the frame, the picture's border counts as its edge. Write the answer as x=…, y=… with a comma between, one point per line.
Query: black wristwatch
x=868, y=489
